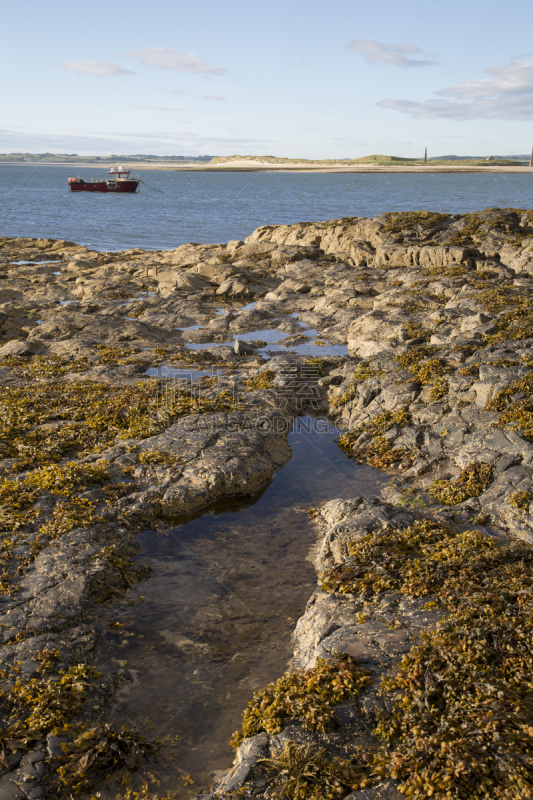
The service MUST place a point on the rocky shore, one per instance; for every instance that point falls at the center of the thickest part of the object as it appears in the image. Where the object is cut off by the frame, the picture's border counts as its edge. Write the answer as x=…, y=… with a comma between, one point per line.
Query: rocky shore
x=136, y=386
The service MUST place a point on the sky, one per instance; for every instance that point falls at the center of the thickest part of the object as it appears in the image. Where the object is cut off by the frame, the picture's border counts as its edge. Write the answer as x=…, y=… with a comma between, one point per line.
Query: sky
x=313, y=79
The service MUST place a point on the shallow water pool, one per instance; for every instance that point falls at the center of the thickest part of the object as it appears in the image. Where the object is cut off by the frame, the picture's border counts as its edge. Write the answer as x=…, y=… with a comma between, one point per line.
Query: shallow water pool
x=219, y=609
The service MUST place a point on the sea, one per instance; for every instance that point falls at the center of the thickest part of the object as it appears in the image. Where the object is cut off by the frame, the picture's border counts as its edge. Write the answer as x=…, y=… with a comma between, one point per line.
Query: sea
x=171, y=208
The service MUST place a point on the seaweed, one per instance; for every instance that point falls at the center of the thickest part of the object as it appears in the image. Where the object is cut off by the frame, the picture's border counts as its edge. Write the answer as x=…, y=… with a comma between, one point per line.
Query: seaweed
x=112, y=354
x=520, y=500
x=63, y=479
x=426, y=221
x=462, y=715
x=377, y=426
x=501, y=220
x=309, y=695
x=43, y=424
x=363, y=372
x=439, y=389
x=261, y=381
x=497, y=299
x=516, y=324
x=94, y=753
x=517, y=415
x=378, y=452
x=462, y=719
x=49, y=366
x=450, y=271
x=304, y=772
x=413, y=561
x=412, y=357
x=155, y=456
x=473, y=481
x=429, y=370
x=104, y=756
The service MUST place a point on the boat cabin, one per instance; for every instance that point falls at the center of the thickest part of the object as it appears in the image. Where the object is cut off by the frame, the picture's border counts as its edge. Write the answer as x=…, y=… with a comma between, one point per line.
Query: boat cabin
x=119, y=174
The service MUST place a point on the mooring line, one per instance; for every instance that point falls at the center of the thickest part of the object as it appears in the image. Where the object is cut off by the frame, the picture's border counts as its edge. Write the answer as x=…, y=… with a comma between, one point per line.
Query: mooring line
x=151, y=187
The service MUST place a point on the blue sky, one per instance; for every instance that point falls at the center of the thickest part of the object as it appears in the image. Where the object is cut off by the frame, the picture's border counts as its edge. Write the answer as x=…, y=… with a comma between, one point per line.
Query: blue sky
x=314, y=79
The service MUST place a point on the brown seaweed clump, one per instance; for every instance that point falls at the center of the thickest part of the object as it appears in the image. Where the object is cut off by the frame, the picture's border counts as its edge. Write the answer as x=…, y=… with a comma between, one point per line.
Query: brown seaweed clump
x=378, y=452
x=521, y=500
x=309, y=695
x=461, y=725
x=44, y=424
x=424, y=222
x=472, y=482
x=304, y=772
x=94, y=753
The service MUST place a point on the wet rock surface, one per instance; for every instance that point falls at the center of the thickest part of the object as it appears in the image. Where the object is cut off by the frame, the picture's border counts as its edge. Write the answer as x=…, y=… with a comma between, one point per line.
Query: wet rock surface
x=134, y=386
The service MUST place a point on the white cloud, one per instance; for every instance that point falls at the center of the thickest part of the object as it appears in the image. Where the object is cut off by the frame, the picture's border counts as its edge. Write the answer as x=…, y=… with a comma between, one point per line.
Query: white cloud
x=394, y=55
x=516, y=108
x=506, y=94
x=176, y=61
x=213, y=97
x=99, y=68
x=516, y=78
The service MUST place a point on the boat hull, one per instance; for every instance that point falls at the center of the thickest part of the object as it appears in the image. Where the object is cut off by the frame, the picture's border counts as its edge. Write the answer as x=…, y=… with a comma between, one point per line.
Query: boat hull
x=102, y=186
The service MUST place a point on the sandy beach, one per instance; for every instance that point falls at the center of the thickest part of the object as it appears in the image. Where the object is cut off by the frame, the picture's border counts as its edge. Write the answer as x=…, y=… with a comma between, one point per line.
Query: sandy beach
x=265, y=166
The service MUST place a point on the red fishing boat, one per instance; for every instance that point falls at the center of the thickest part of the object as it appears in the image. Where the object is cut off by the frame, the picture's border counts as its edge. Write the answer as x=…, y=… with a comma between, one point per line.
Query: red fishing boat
x=120, y=180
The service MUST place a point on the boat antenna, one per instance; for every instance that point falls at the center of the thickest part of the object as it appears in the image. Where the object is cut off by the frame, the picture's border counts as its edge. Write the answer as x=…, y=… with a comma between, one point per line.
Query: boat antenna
x=151, y=187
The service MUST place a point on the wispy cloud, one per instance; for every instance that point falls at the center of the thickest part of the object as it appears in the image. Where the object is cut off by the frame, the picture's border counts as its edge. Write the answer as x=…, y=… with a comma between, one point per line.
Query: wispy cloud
x=166, y=142
x=167, y=91
x=506, y=94
x=98, y=68
x=213, y=97
x=173, y=108
x=175, y=61
x=521, y=57
x=393, y=55
x=161, y=108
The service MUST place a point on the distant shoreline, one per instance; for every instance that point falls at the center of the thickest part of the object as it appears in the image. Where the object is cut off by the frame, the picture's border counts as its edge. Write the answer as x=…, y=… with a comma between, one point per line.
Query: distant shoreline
x=294, y=168
x=355, y=169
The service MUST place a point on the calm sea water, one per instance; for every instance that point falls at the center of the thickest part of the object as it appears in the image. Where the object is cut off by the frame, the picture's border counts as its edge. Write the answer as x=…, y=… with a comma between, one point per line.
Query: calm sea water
x=35, y=201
